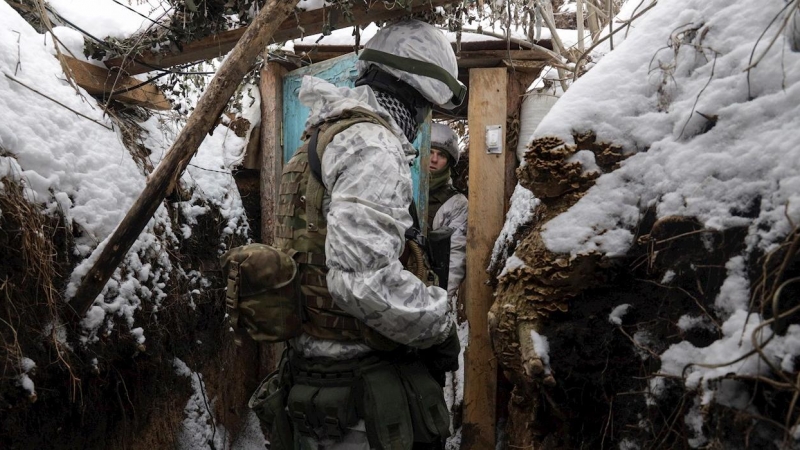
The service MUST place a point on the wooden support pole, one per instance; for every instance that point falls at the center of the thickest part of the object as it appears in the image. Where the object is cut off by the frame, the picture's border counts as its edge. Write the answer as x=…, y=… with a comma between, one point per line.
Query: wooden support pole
x=271, y=146
x=487, y=173
x=303, y=23
x=167, y=175
x=271, y=88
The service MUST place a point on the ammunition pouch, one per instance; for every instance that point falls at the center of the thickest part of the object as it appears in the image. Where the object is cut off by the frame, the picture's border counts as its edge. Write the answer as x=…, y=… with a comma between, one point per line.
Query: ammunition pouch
x=268, y=402
x=322, y=401
x=429, y=415
x=399, y=402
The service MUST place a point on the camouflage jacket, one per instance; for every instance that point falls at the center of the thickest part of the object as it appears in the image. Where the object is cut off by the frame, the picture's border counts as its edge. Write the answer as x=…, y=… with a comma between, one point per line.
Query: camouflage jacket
x=453, y=214
x=366, y=173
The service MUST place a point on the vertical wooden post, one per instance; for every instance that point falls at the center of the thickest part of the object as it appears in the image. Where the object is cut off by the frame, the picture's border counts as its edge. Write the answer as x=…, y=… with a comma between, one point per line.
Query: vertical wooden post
x=271, y=88
x=487, y=173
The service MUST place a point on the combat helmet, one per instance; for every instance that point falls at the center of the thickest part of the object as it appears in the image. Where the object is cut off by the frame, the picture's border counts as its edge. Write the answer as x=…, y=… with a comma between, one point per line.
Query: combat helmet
x=444, y=138
x=417, y=54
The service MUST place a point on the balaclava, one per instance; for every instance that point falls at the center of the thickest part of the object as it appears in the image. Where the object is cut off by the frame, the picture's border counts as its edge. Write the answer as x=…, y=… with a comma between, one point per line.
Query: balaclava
x=402, y=113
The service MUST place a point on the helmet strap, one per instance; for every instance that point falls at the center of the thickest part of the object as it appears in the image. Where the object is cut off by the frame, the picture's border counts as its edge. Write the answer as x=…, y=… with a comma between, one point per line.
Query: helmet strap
x=417, y=67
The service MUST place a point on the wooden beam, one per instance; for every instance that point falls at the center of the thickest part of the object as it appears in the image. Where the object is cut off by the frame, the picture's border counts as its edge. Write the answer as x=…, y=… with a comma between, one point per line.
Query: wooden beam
x=102, y=82
x=271, y=165
x=167, y=175
x=525, y=59
x=487, y=173
x=271, y=88
x=298, y=25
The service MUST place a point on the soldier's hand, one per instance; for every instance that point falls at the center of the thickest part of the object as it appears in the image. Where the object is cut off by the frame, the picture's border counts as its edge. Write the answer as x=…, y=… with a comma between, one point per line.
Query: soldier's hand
x=443, y=357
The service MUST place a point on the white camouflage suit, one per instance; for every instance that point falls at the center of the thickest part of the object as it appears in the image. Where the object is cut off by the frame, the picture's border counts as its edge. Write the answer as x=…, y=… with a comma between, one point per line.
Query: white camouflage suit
x=452, y=214
x=366, y=173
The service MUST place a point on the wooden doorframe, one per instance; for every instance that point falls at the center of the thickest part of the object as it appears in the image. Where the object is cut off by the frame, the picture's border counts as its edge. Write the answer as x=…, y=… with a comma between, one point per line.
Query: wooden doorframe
x=495, y=98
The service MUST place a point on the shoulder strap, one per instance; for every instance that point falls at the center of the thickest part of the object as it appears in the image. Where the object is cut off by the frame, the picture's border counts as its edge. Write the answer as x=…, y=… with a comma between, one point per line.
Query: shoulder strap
x=314, y=162
x=316, y=147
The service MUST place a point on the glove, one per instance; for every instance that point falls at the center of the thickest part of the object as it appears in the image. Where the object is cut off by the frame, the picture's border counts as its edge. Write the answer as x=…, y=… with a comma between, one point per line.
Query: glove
x=443, y=357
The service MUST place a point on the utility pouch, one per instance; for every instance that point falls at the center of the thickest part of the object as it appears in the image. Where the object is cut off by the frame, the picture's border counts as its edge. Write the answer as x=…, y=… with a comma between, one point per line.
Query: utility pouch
x=385, y=409
x=269, y=404
x=322, y=402
x=439, y=248
x=261, y=296
x=429, y=414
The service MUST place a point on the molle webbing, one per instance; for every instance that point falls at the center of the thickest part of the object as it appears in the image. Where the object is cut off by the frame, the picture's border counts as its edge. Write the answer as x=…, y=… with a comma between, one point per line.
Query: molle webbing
x=302, y=227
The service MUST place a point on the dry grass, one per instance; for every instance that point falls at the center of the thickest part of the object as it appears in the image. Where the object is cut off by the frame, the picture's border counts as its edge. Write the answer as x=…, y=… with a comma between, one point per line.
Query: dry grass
x=30, y=302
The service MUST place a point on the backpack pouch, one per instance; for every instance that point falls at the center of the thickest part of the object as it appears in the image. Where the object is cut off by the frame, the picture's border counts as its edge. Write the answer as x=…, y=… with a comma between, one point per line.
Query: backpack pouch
x=262, y=294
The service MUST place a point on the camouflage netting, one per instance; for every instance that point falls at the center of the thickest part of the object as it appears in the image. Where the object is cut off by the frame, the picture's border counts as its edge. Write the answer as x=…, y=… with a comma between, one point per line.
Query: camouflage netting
x=594, y=388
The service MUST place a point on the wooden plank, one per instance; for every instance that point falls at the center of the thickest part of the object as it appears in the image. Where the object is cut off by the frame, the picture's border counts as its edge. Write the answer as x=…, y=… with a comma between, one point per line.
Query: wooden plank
x=296, y=26
x=466, y=59
x=167, y=175
x=271, y=88
x=490, y=43
x=487, y=106
x=102, y=82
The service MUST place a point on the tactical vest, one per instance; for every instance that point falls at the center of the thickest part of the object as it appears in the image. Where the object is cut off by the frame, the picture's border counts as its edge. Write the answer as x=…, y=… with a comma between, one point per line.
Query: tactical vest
x=301, y=230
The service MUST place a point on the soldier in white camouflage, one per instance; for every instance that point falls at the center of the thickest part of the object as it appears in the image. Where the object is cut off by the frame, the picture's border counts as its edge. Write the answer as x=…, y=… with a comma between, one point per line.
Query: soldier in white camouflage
x=359, y=376
x=447, y=208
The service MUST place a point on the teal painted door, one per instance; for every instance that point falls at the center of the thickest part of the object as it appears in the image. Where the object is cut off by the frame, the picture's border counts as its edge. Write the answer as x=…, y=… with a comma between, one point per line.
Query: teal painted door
x=341, y=71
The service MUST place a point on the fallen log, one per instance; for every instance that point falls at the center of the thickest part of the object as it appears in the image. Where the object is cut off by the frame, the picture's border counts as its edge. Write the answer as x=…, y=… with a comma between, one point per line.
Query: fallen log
x=166, y=176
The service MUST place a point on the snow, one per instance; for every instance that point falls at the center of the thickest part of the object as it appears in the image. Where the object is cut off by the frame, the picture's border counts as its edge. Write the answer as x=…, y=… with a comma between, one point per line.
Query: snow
x=669, y=275
x=735, y=291
x=200, y=429
x=542, y=349
x=521, y=212
x=733, y=353
x=106, y=18
x=26, y=365
x=687, y=323
x=79, y=167
x=618, y=313
x=675, y=166
x=705, y=139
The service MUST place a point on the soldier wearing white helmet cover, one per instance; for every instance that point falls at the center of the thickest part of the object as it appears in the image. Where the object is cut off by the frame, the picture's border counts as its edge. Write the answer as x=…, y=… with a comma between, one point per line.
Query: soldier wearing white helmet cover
x=359, y=375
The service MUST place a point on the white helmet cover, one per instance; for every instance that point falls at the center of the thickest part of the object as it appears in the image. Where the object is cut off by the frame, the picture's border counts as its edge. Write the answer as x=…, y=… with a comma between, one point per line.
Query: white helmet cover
x=444, y=138
x=420, y=41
